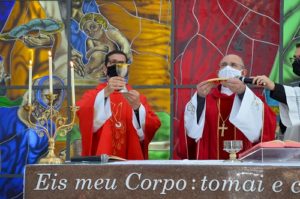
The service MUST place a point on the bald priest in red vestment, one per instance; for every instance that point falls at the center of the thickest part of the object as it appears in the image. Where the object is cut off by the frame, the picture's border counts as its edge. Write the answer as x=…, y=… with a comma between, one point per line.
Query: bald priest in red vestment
x=228, y=110
x=116, y=123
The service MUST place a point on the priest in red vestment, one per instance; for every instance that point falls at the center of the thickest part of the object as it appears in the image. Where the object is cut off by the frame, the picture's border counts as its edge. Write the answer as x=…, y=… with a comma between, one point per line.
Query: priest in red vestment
x=228, y=110
x=116, y=123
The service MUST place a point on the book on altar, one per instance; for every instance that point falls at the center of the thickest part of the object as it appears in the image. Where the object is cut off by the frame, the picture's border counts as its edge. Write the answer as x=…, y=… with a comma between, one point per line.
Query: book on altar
x=272, y=144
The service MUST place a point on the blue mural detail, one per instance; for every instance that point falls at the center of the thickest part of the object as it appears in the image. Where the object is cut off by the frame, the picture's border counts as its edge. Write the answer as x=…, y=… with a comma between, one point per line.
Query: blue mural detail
x=10, y=188
x=5, y=9
x=89, y=6
x=47, y=26
x=78, y=37
x=19, y=146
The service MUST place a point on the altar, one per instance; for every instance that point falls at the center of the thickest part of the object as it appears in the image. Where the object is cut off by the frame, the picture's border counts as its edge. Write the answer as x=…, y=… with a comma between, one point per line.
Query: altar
x=164, y=179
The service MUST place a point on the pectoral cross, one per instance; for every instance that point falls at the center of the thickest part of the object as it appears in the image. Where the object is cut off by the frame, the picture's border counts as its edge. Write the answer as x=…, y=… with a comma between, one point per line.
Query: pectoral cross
x=222, y=128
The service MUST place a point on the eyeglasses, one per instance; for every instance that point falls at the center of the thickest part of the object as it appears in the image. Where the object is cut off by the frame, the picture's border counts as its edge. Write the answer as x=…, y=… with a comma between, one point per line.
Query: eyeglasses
x=232, y=64
x=294, y=58
x=111, y=62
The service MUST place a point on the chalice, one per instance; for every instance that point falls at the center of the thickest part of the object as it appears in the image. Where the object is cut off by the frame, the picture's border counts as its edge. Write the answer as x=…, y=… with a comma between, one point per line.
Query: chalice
x=233, y=147
x=122, y=71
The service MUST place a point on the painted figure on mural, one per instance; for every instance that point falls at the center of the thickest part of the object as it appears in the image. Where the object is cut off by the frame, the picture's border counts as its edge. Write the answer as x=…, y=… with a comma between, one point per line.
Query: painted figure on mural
x=102, y=38
x=92, y=38
x=36, y=33
x=19, y=144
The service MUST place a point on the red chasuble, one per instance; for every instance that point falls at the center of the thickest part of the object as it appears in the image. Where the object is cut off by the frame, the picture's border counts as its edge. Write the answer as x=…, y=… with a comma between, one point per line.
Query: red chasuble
x=210, y=146
x=117, y=136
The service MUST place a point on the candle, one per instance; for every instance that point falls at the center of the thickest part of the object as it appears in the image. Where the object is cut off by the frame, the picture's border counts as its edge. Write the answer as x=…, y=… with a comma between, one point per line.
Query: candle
x=50, y=72
x=30, y=82
x=72, y=83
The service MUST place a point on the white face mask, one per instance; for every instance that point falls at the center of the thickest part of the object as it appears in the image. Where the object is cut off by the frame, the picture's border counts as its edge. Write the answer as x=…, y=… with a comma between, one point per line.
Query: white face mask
x=229, y=72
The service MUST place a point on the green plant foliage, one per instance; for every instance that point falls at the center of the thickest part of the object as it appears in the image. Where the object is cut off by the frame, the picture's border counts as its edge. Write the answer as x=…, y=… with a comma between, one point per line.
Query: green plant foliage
x=162, y=134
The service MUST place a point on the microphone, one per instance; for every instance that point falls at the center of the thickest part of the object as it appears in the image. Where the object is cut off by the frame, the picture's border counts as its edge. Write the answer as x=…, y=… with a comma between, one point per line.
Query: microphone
x=249, y=80
x=246, y=80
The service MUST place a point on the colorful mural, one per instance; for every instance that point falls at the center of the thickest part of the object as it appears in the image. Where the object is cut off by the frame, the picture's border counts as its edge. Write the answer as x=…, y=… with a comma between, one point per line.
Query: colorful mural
x=291, y=36
x=204, y=31
x=30, y=29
